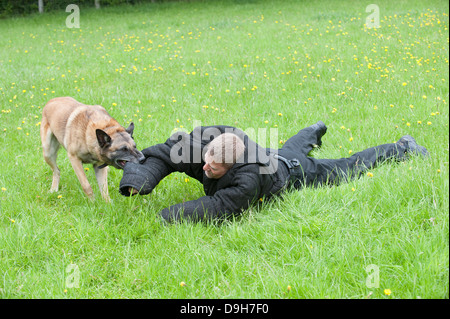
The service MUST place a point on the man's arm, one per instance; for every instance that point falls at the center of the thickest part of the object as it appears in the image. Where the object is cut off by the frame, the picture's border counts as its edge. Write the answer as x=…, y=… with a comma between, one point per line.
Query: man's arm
x=225, y=202
x=143, y=177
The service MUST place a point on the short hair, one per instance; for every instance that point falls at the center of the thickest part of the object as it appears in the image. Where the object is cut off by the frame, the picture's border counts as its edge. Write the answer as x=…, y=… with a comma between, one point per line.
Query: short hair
x=225, y=149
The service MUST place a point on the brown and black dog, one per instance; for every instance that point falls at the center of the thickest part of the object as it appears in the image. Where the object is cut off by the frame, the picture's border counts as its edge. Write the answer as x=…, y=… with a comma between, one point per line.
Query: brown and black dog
x=90, y=135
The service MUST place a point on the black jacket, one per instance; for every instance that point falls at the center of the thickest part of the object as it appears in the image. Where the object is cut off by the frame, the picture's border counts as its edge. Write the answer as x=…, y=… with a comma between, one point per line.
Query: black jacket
x=255, y=175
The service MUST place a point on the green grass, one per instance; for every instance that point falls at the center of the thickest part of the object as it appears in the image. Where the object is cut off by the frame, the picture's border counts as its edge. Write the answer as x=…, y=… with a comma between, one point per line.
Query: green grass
x=255, y=64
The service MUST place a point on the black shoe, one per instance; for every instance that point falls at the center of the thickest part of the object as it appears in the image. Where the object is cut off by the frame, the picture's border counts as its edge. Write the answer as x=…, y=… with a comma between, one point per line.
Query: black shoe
x=411, y=146
x=321, y=130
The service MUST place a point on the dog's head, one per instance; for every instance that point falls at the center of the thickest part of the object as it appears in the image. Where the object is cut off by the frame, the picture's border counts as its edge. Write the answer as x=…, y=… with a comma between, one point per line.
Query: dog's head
x=118, y=147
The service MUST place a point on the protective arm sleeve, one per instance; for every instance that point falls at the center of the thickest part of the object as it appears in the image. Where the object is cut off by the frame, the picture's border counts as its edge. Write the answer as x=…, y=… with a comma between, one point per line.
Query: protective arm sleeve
x=144, y=177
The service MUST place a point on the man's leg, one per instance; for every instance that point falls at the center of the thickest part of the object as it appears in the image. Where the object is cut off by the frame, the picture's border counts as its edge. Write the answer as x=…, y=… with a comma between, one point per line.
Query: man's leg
x=305, y=140
x=334, y=171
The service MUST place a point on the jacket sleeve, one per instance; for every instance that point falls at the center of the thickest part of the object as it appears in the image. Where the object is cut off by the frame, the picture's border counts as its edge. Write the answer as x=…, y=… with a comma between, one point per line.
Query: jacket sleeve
x=225, y=202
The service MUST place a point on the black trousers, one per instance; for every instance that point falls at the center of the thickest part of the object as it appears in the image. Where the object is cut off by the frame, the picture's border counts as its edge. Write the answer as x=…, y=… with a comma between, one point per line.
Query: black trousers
x=315, y=172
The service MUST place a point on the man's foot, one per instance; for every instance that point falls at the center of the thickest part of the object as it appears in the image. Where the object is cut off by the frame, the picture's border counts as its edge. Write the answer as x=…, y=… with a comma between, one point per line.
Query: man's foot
x=411, y=146
x=321, y=130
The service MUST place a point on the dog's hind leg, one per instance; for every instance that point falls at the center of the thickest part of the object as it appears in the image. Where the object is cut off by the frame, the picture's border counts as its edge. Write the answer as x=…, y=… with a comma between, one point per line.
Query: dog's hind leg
x=102, y=179
x=50, y=147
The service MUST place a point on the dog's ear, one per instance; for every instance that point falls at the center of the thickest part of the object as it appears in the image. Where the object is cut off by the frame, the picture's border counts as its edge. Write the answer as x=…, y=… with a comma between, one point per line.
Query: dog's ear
x=104, y=140
x=130, y=129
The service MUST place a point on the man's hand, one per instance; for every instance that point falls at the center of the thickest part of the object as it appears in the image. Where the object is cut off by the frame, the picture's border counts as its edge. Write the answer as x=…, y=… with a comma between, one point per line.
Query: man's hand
x=133, y=191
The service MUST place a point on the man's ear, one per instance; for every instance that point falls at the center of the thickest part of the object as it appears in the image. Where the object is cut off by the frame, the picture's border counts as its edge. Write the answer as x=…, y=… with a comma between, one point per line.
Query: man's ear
x=130, y=129
x=104, y=140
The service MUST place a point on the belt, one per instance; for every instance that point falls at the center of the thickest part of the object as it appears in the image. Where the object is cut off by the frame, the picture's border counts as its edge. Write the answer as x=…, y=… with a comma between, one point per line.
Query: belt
x=295, y=170
x=293, y=163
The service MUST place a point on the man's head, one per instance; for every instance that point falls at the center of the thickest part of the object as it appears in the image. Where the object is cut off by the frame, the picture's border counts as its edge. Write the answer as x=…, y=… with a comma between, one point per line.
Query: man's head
x=221, y=154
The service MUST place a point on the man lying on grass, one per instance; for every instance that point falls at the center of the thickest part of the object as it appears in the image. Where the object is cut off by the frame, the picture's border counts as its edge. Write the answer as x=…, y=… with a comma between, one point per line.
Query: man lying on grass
x=236, y=172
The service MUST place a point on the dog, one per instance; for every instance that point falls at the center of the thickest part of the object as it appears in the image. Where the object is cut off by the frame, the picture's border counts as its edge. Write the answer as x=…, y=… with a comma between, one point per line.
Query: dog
x=90, y=136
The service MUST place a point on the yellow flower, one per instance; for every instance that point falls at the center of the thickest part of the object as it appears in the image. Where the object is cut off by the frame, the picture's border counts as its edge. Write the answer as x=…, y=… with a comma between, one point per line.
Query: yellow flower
x=387, y=292
x=3, y=189
x=182, y=284
x=370, y=174
x=280, y=114
x=289, y=288
x=350, y=151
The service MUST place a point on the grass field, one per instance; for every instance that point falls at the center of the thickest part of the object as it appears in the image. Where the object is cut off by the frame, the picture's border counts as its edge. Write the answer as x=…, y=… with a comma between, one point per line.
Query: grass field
x=254, y=65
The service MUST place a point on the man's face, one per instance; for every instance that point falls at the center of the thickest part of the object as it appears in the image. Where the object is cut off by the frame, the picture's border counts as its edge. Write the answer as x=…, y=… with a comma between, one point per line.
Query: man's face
x=213, y=169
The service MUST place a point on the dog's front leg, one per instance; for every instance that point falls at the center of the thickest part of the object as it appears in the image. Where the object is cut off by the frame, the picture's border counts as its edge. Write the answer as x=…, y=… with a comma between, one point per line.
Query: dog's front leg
x=102, y=179
x=79, y=171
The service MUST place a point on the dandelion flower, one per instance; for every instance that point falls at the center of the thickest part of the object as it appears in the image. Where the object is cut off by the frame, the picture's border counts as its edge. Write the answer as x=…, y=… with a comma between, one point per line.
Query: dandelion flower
x=182, y=284
x=387, y=292
x=370, y=174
